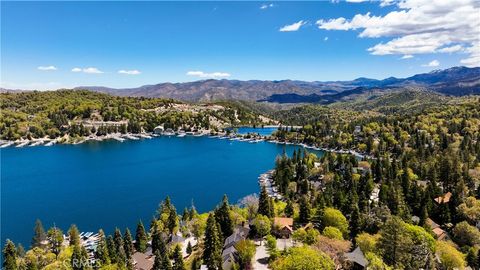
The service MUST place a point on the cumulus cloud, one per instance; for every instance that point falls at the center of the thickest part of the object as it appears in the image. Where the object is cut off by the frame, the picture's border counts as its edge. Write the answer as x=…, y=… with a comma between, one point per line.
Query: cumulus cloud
x=46, y=68
x=434, y=63
x=213, y=75
x=129, y=72
x=265, y=6
x=292, y=27
x=89, y=70
x=384, y=3
x=420, y=27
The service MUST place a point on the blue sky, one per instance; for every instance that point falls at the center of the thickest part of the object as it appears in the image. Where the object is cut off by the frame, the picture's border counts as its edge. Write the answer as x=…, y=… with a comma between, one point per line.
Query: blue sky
x=48, y=45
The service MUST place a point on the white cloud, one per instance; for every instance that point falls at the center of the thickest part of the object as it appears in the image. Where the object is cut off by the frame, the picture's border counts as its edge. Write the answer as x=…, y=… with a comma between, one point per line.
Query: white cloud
x=129, y=72
x=407, y=56
x=384, y=3
x=420, y=27
x=89, y=70
x=292, y=27
x=265, y=6
x=213, y=75
x=46, y=68
x=356, y=1
x=325, y=38
x=451, y=49
x=434, y=63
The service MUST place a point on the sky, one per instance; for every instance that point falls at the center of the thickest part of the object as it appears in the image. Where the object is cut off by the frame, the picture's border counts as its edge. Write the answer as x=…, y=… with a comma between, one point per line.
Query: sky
x=51, y=45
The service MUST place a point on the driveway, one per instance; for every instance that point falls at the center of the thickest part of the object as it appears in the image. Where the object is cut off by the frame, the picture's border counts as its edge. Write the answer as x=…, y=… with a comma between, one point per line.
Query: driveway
x=261, y=257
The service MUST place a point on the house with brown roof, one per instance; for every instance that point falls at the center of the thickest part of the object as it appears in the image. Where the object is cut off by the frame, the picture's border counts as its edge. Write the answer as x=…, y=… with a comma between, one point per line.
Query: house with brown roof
x=445, y=198
x=437, y=230
x=283, y=226
x=142, y=261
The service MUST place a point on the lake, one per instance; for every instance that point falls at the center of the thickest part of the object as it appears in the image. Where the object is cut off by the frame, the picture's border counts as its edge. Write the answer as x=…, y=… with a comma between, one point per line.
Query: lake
x=106, y=184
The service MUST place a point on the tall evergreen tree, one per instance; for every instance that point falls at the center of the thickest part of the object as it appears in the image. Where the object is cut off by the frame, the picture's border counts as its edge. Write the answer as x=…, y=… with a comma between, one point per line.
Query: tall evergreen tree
x=10, y=256
x=158, y=243
x=74, y=235
x=101, y=253
x=161, y=262
x=172, y=220
x=264, y=203
x=178, y=263
x=39, y=234
x=128, y=243
x=55, y=239
x=212, y=253
x=289, y=209
x=304, y=214
x=222, y=216
x=141, y=238
x=79, y=259
x=112, y=250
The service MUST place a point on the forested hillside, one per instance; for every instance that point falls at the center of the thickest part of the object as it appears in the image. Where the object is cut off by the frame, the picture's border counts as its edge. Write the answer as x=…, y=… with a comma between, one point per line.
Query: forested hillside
x=78, y=113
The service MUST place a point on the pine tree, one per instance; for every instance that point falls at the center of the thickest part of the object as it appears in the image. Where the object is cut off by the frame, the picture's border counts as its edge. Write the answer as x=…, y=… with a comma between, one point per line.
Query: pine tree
x=141, y=238
x=355, y=222
x=128, y=244
x=392, y=241
x=101, y=253
x=74, y=235
x=39, y=234
x=79, y=258
x=289, y=209
x=222, y=216
x=112, y=250
x=264, y=203
x=304, y=214
x=158, y=243
x=10, y=256
x=178, y=263
x=161, y=262
x=172, y=219
x=189, y=248
x=212, y=256
x=55, y=239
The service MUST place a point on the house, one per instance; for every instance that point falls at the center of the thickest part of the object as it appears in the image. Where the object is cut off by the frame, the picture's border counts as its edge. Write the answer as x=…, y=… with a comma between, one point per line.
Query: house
x=374, y=197
x=283, y=226
x=445, y=198
x=229, y=257
x=229, y=254
x=437, y=230
x=357, y=258
x=142, y=261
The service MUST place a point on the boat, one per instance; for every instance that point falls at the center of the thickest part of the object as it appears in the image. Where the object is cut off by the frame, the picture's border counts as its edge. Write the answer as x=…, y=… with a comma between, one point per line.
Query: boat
x=22, y=144
x=181, y=135
x=50, y=143
x=145, y=136
x=6, y=144
x=36, y=143
x=129, y=136
x=120, y=139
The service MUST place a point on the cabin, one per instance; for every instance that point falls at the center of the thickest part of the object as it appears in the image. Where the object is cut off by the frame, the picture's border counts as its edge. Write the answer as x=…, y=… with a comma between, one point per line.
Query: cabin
x=142, y=261
x=445, y=198
x=357, y=258
x=437, y=230
x=283, y=226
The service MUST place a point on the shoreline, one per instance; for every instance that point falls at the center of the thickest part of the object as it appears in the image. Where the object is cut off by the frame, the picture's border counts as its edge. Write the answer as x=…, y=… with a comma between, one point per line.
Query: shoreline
x=149, y=135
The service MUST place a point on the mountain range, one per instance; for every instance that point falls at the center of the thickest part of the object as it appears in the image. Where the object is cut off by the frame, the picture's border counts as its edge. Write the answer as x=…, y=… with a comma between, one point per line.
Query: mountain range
x=456, y=81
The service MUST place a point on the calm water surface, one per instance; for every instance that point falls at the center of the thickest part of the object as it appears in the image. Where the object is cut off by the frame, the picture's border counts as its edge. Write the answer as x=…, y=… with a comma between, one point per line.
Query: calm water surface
x=107, y=184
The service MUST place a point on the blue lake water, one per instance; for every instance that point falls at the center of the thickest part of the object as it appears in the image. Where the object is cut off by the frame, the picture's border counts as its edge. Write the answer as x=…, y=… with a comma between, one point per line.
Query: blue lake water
x=107, y=184
x=261, y=131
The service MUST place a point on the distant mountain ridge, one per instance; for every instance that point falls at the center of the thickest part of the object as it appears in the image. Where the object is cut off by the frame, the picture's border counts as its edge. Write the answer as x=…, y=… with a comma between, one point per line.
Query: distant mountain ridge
x=456, y=81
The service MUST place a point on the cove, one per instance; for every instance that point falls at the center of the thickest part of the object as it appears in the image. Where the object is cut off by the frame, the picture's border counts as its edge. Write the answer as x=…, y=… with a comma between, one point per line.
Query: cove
x=107, y=184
